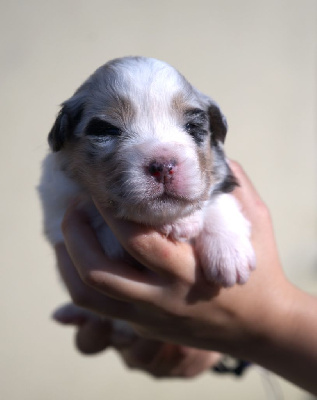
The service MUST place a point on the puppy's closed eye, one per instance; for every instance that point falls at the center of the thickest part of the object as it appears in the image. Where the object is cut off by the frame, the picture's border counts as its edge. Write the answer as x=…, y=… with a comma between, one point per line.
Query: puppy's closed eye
x=100, y=128
x=196, y=131
x=197, y=125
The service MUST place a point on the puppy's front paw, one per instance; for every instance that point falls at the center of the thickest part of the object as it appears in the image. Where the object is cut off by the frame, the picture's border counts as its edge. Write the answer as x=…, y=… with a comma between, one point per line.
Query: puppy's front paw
x=226, y=261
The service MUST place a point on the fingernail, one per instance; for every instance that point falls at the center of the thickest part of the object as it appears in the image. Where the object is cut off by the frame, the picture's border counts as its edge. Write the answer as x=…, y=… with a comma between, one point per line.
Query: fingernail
x=61, y=316
x=69, y=315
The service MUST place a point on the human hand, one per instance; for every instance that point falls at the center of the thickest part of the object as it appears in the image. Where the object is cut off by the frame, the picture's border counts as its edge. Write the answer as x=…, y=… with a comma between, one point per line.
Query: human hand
x=268, y=320
x=160, y=360
x=171, y=301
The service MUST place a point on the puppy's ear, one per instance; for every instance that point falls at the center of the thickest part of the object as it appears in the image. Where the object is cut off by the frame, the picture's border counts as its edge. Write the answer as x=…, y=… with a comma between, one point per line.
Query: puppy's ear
x=217, y=122
x=218, y=127
x=65, y=124
x=60, y=131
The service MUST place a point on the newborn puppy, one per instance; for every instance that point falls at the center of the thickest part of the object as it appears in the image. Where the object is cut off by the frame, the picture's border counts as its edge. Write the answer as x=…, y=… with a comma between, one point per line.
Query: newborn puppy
x=142, y=140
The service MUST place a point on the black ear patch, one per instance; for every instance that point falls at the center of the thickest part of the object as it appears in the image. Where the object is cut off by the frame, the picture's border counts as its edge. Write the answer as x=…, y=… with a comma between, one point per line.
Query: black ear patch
x=59, y=132
x=229, y=183
x=217, y=123
x=65, y=124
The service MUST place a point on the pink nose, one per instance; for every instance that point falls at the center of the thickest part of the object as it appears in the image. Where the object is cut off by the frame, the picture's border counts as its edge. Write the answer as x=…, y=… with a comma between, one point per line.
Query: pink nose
x=162, y=171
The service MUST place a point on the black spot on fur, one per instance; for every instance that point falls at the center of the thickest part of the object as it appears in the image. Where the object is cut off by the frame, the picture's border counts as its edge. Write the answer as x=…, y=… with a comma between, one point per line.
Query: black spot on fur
x=64, y=126
x=228, y=184
x=99, y=127
x=217, y=123
x=197, y=124
x=223, y=174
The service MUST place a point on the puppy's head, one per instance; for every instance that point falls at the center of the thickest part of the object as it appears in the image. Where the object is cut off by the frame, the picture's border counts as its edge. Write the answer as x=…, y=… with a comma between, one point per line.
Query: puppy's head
x=136, y=135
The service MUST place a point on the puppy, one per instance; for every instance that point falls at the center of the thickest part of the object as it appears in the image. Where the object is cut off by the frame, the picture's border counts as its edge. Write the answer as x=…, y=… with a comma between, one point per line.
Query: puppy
x=139, y=138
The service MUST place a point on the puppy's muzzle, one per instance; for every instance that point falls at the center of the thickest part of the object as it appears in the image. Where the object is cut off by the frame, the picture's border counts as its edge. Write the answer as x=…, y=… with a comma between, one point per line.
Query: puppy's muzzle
x=162, y=171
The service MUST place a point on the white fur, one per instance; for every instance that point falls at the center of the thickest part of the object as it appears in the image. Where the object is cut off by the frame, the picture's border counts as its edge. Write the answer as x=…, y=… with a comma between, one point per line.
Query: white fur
x=223, y=245
x=56, y=191
x=179, y=208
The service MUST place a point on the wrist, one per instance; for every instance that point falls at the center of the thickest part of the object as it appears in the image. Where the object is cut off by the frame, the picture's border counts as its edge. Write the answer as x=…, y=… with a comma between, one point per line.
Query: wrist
x=272, y=323
x=265, y=320
x=285, y=339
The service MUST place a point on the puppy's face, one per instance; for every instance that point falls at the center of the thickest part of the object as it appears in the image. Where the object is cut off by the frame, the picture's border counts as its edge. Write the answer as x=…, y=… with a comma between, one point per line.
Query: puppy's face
x=137, y=136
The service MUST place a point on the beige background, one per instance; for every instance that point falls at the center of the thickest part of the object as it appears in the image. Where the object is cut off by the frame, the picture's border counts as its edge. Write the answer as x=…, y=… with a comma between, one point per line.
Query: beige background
x=256, y=58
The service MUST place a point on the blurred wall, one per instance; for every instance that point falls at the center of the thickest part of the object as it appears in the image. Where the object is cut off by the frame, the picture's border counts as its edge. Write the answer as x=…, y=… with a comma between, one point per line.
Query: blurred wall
x=256, y=58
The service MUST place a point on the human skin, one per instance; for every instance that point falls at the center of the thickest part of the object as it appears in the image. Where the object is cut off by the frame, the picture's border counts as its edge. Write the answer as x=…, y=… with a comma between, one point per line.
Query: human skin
x=158, y=359
x=267, y=321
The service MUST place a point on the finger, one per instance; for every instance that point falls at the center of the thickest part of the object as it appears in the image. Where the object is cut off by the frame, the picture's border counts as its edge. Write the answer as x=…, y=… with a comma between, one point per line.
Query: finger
x=244, y=182
x=95, y=333
x=114, y=278
x=194, y=361
x=85, y=296
x=94, y=336
x=152, y=249
x=168, y=360
x=141, y=354
x=70, y=314
x=259, y=215
x=246, y=193
x=154, y=357
x=252, y=205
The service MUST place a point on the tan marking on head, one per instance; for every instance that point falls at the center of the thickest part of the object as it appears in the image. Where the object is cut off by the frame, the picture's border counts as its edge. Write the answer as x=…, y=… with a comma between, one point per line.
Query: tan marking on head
x=120, y=110
x=92, y=174
x=180, y=103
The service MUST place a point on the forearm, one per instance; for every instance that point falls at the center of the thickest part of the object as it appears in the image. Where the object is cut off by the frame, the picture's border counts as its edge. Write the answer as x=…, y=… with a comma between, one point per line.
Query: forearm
x=287, y=344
